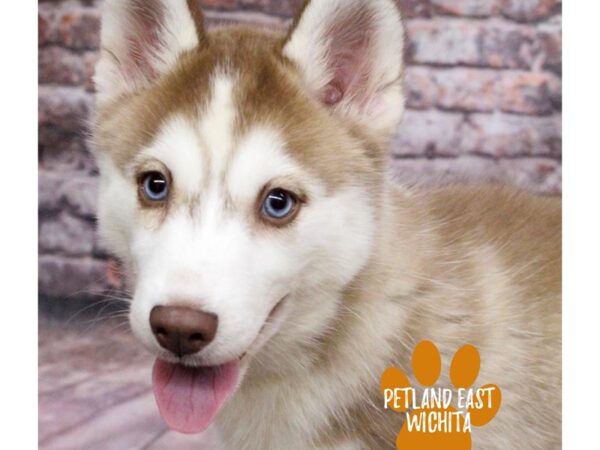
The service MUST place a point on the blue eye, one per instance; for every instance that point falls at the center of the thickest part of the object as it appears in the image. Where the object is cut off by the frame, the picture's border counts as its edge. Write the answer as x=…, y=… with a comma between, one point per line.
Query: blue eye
x=155, y=186
x=279, y=205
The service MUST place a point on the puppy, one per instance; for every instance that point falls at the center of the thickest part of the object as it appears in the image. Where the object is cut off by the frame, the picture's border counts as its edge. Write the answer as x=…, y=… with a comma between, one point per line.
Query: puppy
x=276, y=273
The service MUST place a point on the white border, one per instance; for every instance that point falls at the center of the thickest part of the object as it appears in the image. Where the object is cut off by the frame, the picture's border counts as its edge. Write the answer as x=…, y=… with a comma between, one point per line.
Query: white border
x=581, y=300
x=18, y=232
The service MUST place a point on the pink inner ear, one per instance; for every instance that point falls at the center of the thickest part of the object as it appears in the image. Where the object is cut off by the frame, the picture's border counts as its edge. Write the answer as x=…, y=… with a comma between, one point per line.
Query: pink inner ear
x=139, y=55
x=349, y=58
x=332, y=94
x=146, y=17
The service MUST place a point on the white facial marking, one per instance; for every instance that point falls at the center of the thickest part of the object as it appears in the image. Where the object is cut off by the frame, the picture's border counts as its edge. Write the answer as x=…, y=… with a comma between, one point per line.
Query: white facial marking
x=216, y=127
x=177, y=147
x=211, y=259
x=260, y=158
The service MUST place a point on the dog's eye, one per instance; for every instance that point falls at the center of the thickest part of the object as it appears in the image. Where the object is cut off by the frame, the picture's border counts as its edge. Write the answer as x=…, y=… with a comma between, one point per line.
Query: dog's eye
x=279, y=205
x=155, y=186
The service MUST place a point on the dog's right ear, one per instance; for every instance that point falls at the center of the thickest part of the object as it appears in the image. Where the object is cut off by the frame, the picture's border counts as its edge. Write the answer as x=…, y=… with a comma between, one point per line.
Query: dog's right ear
x=141, y=40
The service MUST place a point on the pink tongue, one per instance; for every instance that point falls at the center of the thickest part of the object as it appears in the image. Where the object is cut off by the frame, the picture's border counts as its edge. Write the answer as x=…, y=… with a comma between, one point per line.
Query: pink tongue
x=189, y=398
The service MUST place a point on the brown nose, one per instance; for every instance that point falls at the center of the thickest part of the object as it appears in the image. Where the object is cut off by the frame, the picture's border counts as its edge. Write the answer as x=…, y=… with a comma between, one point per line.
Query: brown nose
x=182, y=330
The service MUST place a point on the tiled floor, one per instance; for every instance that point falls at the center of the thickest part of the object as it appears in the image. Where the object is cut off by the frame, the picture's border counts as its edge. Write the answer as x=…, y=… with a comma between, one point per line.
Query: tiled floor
x=95, y=392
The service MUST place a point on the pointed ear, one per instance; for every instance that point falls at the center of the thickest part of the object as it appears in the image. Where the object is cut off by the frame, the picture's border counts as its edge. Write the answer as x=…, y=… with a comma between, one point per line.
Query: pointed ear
x=141, y=39
x=350, y=55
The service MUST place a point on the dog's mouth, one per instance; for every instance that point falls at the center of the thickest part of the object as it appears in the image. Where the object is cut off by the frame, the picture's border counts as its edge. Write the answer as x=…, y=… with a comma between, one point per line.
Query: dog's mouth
x=189, y=398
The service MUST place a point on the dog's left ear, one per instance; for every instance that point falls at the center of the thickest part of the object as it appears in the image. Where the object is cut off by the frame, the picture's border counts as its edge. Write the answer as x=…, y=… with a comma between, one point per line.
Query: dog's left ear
x=350, y=54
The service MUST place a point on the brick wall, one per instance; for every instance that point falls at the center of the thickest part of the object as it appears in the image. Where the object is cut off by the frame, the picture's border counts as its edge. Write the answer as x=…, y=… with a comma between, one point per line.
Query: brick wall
x=484, y=102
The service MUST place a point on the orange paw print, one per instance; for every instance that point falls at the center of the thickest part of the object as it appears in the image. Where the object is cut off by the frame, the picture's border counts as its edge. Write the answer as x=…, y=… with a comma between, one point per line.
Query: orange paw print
x=431, y=423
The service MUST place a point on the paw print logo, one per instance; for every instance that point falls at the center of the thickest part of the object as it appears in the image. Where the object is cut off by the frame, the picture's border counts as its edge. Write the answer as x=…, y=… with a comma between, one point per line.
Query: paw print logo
x=431, y=422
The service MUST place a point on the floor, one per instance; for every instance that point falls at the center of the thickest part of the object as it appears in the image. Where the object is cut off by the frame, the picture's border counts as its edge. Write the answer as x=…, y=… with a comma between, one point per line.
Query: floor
x=95, y=392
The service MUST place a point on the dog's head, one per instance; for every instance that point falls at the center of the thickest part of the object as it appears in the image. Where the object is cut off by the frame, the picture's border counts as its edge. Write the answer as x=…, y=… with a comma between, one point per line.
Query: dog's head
x=241, y=176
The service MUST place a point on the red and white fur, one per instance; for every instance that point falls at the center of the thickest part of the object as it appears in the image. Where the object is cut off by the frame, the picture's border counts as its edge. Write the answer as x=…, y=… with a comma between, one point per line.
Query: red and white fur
x=317, y=309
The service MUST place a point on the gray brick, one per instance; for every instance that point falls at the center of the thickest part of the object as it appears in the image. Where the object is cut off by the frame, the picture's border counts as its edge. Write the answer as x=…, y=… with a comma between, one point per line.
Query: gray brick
x=435, y=133
x=67, y=235
x=456, y=41
x=530, y=10
x=483, y=90
x=64, y=108
x=70, y=191
x=538, y=175
x=59, y=66
x=71, y=278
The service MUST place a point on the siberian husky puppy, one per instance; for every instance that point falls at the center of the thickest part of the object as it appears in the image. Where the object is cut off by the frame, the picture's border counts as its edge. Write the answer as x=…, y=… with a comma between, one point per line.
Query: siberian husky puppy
x=275, y=272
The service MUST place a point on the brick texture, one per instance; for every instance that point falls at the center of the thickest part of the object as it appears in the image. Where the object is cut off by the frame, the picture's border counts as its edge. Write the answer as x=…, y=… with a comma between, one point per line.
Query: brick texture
x=483, y=84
